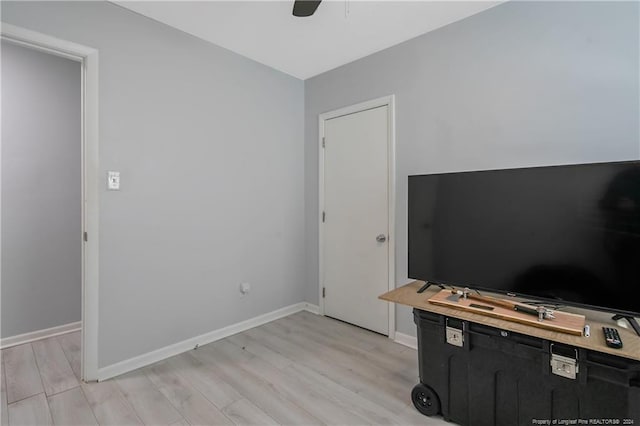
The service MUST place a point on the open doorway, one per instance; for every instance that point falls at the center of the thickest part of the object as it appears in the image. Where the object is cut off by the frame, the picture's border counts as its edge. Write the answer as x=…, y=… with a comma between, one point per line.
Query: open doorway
x=49, y=198
x=41, y=202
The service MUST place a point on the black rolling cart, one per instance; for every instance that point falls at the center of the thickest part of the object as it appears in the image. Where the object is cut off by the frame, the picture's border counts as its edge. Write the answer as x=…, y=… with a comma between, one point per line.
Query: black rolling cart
x=475, y=374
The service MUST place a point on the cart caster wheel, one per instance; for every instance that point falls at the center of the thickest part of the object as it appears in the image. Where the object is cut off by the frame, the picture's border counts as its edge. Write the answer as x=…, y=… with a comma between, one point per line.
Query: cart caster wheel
x=425, y=400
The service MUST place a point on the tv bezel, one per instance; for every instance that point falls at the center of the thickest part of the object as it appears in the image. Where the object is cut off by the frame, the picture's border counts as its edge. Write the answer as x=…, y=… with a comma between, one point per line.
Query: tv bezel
x=524, y=296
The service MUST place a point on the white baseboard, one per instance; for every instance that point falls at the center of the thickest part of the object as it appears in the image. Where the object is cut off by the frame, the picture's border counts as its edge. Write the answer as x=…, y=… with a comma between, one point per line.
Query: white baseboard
x=32, y=336
x=406, y=340
x=314, y=309
x=149, y=358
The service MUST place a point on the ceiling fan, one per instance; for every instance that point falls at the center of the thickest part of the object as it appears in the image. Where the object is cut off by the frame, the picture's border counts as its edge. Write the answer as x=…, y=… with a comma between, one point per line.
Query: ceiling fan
x=303, y=8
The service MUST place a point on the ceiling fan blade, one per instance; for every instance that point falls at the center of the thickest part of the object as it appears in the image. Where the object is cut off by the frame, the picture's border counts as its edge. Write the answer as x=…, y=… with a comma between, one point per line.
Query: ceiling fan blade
x=305, y=7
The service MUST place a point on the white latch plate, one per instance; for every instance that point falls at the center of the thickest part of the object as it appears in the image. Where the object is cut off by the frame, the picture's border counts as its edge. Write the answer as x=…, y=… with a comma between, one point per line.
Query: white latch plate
x=564, y=366
x=454, y=336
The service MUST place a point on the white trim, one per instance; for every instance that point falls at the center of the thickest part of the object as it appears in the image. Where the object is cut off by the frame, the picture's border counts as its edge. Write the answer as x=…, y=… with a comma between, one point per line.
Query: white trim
x=143, y=360
x=90, y=207
x=321, y=121
x=44, y=42
x=392, y=211
x=406, y=340
x=32, y=336
x=314, y=309
x=388, y=101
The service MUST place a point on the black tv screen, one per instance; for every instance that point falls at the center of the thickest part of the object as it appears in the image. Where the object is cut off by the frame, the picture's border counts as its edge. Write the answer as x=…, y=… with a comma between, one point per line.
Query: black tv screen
x=565, y=234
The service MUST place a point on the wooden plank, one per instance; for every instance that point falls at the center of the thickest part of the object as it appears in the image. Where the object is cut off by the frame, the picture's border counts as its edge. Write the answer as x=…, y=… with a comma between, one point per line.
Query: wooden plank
x=70, y=344
x=344, y=371
x=30, y=411
x=391, y=413
x=22, y=376
x=242, y=412
x=359, y=337
x=248, y=344
x=374, y=413
x=316, y=401
x=407, y=295
x=109, y=405
x=194, y=407
x=336, y=373
x=4, y=415
x=55, y=371
x=71, y=408
x=385, y=381
x=205, y=380
x=563, y=322
x=255, y=389
x=368, y=392
x=149, y=403
x=396, y=363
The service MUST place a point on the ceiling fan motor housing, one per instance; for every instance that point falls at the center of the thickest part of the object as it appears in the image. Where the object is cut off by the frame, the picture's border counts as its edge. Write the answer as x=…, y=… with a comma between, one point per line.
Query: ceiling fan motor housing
x=304, y=8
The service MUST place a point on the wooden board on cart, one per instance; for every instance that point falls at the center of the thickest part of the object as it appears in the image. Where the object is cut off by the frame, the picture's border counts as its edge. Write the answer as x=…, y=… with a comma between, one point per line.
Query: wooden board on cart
x=563, y=322
x=408, y=295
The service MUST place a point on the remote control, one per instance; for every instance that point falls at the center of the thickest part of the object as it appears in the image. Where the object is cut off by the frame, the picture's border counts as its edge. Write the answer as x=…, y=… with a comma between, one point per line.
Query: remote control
x=612, y=338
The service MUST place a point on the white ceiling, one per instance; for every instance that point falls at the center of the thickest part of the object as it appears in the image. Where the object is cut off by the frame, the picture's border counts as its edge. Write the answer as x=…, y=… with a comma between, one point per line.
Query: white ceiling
x=339, y=32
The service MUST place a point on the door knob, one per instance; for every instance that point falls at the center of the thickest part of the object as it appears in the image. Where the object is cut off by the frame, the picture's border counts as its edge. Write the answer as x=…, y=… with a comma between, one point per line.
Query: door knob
x=381, y=238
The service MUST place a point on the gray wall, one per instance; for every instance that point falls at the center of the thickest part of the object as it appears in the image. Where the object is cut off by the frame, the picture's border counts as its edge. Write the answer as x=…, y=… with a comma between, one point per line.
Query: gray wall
x=210, y=146
x=41, y=192
x=521, y=84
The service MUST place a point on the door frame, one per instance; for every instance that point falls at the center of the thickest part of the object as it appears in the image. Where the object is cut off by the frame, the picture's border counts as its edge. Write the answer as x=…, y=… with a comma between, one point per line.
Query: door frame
x=88, y=58
x=389, y=102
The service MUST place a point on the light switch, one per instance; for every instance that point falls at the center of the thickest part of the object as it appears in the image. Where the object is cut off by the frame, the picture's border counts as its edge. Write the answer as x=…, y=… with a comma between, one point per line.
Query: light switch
x=113, y=181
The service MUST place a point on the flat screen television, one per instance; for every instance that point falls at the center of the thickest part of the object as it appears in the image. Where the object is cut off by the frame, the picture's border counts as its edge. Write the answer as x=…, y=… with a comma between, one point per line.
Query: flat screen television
x=565, y=235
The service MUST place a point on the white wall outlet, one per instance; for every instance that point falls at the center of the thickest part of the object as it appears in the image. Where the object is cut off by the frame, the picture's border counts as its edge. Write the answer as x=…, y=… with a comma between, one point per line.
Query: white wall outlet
x=245, y=288
x=113, y=181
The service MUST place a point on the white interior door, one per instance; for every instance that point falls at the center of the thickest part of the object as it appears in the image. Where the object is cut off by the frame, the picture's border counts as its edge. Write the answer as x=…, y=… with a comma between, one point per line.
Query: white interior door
x=356, y=227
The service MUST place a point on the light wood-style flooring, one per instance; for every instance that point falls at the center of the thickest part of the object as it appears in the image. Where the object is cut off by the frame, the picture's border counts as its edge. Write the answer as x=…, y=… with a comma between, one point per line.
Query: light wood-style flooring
x=300, y=370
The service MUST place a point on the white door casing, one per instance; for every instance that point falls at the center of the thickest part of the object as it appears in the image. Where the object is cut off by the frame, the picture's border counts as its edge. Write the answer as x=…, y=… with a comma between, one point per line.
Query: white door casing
x=356, y=209
x=88, y=57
